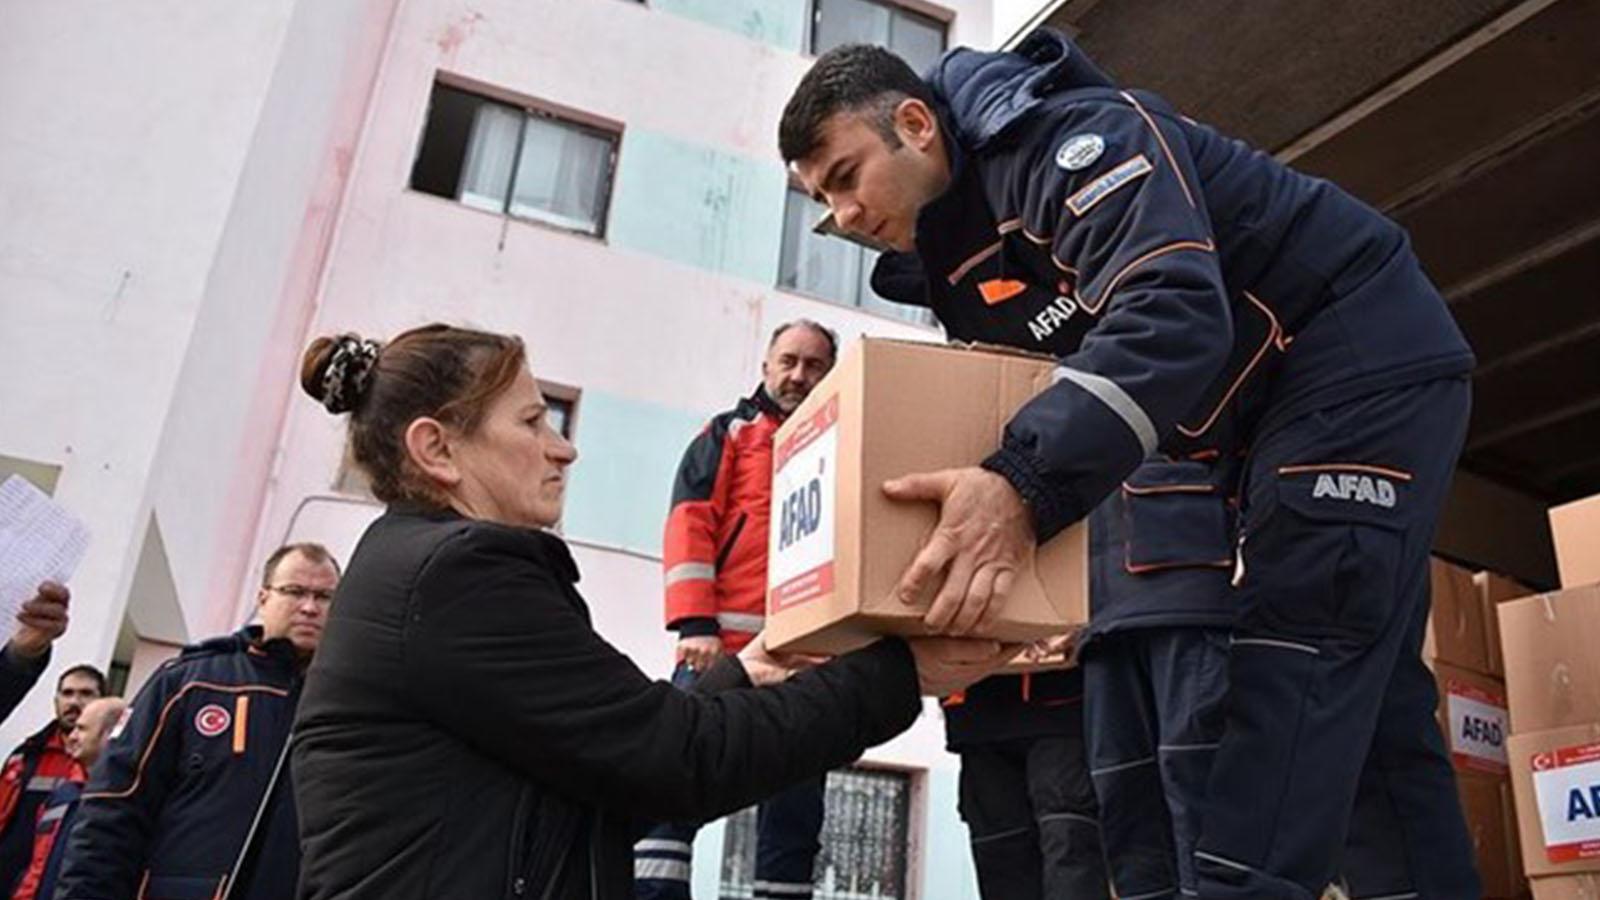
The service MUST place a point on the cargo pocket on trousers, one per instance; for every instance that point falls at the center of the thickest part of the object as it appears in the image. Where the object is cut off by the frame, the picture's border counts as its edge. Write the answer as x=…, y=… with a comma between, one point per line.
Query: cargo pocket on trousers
x=1176, y=517
x=1326, y=562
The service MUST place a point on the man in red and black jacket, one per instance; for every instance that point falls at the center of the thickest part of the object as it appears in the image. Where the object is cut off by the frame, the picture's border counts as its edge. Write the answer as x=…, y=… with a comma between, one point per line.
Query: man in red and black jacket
x=715, y=560
x=57, y=814
x=38, y=766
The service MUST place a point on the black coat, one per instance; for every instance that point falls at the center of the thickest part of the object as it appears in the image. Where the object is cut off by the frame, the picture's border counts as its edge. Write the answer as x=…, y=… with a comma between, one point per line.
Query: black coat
x=466, y=733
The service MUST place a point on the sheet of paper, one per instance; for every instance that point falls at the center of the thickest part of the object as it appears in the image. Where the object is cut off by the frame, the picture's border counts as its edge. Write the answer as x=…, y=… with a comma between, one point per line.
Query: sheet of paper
x=39, y=541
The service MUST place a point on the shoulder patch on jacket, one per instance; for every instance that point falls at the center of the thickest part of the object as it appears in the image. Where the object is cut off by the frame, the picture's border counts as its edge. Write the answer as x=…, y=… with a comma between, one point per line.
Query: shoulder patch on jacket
x=1080, y=151
x=1124, y=174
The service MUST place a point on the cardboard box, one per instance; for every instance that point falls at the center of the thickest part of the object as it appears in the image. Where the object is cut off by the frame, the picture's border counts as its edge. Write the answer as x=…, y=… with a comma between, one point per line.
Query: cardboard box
x=1552, y=652
x=1456, y=632
x=1576, y=529
x=1472, y=715
x=1514, y=839
x=1508, y=806
x=1493, y=590
x=838, y=546
x=1555, y=777
x=1484, y=807
x=1567, y=887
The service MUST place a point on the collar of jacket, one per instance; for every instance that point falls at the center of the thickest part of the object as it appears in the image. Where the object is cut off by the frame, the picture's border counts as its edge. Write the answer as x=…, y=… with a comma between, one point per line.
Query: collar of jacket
x=763, y=401
x=987, y=93
x=35, y=743
x=249, y=639
x=549, y=547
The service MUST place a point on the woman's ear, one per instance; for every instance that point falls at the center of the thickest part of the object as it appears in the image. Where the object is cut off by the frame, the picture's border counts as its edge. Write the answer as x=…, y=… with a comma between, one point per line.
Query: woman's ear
x=429, y=446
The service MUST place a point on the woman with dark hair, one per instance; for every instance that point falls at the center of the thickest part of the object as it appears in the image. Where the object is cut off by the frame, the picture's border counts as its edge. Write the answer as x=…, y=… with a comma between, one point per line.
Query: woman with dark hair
x=464, y=731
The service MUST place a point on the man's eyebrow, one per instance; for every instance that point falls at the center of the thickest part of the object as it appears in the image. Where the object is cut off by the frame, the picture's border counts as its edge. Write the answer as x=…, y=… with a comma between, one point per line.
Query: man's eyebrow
x=828, y=178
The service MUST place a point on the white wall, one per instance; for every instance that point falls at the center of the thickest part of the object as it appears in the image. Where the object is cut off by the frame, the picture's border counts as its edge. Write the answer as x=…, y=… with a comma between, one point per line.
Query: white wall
x=190, y=190
x=124, y=133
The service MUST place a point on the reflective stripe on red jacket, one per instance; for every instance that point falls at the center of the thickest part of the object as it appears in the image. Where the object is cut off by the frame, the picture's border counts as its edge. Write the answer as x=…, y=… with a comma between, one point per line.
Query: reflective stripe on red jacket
x=54, y=817
x=714, y=553
x=38, y=766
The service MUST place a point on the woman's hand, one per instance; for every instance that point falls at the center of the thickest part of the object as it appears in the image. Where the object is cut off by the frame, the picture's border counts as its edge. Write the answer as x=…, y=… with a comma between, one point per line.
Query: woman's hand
x=765, y=667
x=946, y=665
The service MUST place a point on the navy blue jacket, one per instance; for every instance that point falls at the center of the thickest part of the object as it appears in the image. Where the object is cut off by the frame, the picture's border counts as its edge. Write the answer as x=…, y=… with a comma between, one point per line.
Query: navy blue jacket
x=1161, y=546
x=167, y=808
x=1198, y=290
x=1013, y=707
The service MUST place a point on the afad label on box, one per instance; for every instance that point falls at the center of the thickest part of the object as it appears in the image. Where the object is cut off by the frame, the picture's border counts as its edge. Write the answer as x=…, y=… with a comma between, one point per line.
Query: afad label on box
x=1567, y=785
x=801, y=548
x=1479, y=724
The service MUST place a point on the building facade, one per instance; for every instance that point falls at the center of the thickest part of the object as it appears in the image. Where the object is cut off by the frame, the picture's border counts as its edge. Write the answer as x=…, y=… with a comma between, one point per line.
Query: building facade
x=205, y=187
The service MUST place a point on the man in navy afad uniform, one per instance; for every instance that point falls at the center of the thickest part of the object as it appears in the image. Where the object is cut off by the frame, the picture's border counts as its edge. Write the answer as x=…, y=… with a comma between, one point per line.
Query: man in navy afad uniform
x=1214, y=301
x=192, y=791
x=1142, y=715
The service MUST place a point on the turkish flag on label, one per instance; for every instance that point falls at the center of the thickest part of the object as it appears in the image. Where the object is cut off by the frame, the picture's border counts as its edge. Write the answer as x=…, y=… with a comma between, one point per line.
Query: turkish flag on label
x=1566, y=783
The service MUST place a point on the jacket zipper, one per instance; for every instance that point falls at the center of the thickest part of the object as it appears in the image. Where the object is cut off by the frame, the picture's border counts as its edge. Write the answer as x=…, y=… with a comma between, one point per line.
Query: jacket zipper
x=733, y=538
x=519, y=882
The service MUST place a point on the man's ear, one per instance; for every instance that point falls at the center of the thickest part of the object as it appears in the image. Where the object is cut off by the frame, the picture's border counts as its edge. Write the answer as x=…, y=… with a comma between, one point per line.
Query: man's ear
x=916, y=123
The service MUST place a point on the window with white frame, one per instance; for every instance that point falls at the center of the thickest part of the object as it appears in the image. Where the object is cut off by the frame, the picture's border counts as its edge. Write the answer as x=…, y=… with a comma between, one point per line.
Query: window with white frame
x=523, y=162
x=829, y=267
x=865, y=840
x=561, y=402
x=914, y=37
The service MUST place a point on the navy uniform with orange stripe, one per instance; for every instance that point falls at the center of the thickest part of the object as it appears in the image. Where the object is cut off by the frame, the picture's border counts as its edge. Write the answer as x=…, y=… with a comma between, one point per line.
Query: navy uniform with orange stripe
x=1214, y=299
x=169, y=806
x=1143, y=714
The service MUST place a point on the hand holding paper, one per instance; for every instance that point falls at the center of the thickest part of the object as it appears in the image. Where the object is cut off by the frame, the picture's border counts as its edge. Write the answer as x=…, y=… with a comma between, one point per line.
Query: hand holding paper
x=41, y=620
x=41, y=545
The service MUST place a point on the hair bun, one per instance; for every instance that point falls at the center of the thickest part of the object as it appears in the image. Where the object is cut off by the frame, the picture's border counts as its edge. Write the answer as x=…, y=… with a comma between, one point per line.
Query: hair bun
x=337, y=371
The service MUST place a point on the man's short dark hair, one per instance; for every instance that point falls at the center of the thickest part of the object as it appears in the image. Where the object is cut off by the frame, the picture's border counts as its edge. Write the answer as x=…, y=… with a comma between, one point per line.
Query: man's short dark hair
x=858, y=78
x=822, y=330
x=86, y=670
x=314, y=552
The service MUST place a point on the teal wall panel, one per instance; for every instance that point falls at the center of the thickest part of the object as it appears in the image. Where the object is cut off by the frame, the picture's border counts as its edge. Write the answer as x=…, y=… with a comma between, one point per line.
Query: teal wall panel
x=781, y=23
x=628, y=456
x=698, y=206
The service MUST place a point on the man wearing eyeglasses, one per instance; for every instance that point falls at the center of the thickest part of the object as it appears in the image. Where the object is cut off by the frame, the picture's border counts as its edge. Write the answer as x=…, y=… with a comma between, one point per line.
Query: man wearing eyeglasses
x=191, y=797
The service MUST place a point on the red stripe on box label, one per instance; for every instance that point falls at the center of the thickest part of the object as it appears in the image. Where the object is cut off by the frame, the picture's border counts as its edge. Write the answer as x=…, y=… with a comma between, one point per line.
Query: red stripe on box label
x=803, y=587
x=1566, y=784
x=1478, y=724
x=800, y=545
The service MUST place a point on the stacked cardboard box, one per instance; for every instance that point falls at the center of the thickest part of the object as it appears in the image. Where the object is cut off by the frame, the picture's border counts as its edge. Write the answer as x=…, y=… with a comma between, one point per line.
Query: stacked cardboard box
x=1576, y=529
x=1474, y=719
x=1552, y=662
